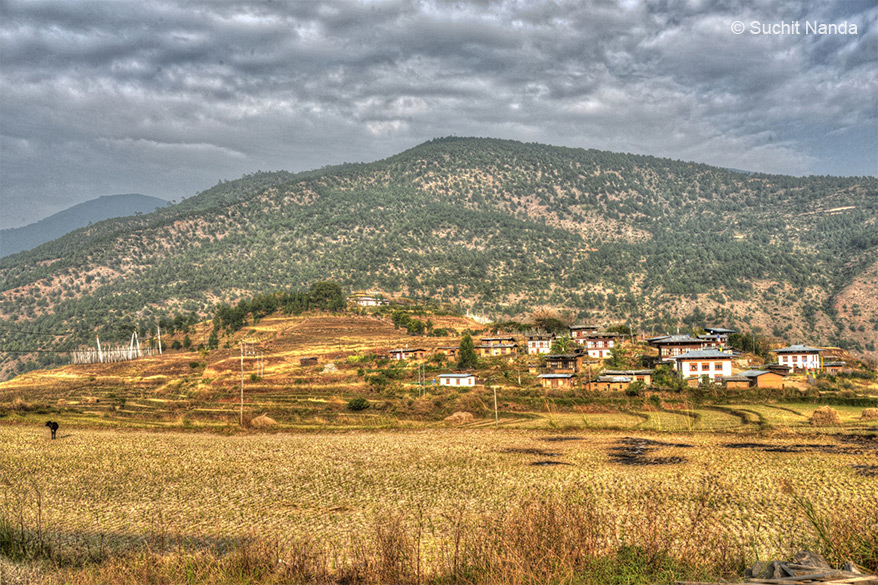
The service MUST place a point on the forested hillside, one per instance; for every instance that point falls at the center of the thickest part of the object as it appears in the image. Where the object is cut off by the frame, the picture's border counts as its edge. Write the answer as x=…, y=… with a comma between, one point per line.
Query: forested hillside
x=15, y=240
x=499, y=227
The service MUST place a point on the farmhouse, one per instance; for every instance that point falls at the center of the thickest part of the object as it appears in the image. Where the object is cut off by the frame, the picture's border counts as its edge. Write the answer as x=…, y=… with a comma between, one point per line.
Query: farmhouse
x=496, y=349
x=539, y=343
x=799, y=357
x=598, y=345
x=450, y=351
x=670, y=346
x=557, y=380
x=501, y=340
x=611, y=383
x=712, y=363
x=457, y=379
x=578, y=332
x=763, y=379
x=407, y=354
x=569, y=363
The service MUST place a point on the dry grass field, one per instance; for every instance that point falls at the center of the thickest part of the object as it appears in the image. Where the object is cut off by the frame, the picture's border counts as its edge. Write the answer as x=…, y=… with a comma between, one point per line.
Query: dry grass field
x=117, y=491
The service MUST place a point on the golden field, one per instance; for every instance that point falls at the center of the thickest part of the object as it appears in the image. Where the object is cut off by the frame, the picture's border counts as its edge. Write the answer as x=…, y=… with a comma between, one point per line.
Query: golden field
x=121, y=489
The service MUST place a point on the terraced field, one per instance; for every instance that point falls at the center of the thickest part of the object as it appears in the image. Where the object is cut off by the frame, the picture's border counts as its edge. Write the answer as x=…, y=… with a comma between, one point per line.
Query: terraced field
x=128, y=486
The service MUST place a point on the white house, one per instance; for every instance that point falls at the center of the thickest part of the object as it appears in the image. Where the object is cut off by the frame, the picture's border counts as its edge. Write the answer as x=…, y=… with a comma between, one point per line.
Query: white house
x=799, y=357
x=712, y=363
x=539, y=343
x=457, y=379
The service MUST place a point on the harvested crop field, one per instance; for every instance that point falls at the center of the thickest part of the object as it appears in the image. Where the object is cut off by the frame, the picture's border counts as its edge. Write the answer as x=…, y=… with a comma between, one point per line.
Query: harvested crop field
x=128, y=486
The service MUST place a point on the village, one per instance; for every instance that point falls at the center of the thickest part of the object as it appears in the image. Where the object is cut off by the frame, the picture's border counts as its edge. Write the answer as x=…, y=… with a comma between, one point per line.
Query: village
x=579, y=358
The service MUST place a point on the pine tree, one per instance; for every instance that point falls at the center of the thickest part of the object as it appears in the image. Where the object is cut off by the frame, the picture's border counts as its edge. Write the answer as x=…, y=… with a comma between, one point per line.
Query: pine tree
x=466, y=354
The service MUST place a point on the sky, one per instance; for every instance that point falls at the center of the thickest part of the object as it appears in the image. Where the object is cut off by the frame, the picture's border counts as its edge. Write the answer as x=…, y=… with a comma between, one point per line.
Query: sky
x=168, y=98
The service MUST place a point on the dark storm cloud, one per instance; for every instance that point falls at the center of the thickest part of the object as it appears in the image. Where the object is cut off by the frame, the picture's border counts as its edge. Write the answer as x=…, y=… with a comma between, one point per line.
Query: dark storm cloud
x=166, y=98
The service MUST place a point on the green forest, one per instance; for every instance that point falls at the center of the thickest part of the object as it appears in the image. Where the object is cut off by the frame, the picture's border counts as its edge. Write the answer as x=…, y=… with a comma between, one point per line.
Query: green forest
x=492, y=226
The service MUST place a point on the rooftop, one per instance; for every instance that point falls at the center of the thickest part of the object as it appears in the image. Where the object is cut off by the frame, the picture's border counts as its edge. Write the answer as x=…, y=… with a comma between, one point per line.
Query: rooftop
x=797, y=348
x=550, y=376
x=456, y=375
x=705, y=354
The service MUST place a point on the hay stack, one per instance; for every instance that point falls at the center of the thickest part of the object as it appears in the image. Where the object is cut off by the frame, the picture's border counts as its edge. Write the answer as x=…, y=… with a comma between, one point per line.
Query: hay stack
x=825, y=416
x=870, y=413
x=262, y=421
x=460, y=418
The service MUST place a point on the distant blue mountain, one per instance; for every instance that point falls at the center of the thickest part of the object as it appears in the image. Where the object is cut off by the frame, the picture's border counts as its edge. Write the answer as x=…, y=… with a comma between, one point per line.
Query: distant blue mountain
x=16, y=240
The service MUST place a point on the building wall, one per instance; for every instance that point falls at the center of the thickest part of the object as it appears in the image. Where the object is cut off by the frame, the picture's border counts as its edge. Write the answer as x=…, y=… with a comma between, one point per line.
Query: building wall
x=770, y=380
x=714, y=368
x=538, y=346
x=457, y=381
x=801, y=361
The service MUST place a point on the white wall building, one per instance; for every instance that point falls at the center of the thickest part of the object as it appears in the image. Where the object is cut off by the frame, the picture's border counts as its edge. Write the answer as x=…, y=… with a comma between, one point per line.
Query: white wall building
x=712, y=363
x=457, y=379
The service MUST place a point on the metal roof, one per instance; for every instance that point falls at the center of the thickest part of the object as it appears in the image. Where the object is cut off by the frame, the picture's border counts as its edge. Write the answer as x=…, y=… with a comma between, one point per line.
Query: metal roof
x=755, y=373
x=674, y=339
x=703, y=354
x=719, y=330
x=627, y=372
x=555, y=376
x=797, y=348
x=457, y=375
x=615, y=379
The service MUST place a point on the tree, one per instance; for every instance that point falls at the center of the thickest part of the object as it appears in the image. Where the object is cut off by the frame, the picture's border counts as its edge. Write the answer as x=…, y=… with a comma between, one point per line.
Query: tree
x=213, y=340
x=563, y=344
x=327, y=295
x=466, y=354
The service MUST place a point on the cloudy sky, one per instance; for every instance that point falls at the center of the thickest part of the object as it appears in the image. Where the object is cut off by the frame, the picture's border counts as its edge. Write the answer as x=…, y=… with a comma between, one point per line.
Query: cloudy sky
x=167, y=98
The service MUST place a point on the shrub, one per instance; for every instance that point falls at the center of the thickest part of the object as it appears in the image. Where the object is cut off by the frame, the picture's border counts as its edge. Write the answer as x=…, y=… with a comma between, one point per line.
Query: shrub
x=358, y=403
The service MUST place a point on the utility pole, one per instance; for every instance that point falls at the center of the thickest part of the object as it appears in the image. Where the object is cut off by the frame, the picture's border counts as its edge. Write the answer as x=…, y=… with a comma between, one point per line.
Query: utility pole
x=159, y=334
x=242, y=383
x=496, y=416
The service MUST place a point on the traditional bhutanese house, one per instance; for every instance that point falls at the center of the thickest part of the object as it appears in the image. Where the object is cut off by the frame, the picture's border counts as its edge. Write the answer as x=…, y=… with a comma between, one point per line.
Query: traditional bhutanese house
x=496, y=349
x=457, y=379
x=833, y=367
x=408, y=354
x=557, y=380
x=736, y=382
x=719, y=333
x=367, y=301
x=712, y=363
x=501, y=340
x=644, y=376
x=799, y=357
x=670, y=346
x=580, y=332
x=763, y=379
x=450, y=351
x=569, y=363
x=539, y=343
x=598, y=345
x=533, y=368
x=611, y=383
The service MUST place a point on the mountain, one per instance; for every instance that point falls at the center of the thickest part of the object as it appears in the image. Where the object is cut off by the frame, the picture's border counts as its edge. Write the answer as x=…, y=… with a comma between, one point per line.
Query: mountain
x=492, y=226
x=16, y=240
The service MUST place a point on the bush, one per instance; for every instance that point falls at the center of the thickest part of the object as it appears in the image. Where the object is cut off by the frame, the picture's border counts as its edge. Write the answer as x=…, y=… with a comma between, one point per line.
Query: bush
x=357, y=404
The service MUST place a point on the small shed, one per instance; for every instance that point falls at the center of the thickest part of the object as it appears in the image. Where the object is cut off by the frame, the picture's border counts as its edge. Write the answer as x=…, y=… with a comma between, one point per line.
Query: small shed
x=764, y=379
x=833, y=368
x=308, y=361
x=408, y=354
x=736, y=382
